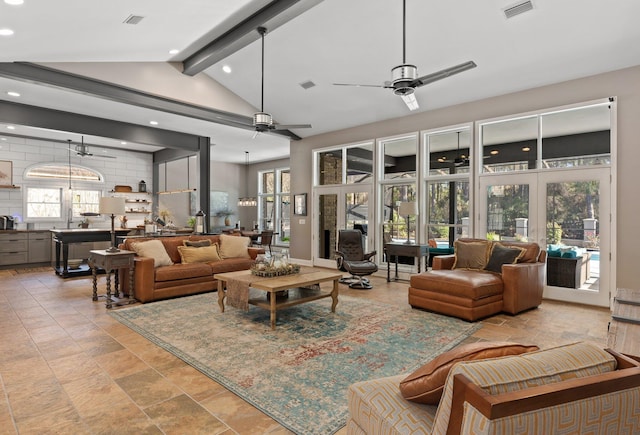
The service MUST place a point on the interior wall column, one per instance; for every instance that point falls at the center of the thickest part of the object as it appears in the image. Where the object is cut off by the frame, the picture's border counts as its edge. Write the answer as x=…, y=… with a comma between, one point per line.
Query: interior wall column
x=204, y=184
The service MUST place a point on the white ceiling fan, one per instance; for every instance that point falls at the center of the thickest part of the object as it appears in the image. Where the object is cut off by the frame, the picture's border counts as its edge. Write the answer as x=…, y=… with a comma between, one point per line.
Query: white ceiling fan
x=82, y=150
x=404, y=78
x=263, y=121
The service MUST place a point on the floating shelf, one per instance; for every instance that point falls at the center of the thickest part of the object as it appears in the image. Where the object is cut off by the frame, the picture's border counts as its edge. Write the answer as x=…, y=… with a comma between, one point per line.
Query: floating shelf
x=13, y=186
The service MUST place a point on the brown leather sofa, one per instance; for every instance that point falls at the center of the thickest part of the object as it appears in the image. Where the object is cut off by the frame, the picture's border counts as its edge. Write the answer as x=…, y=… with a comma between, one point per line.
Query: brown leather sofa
x=179, y=279
x=471, y=294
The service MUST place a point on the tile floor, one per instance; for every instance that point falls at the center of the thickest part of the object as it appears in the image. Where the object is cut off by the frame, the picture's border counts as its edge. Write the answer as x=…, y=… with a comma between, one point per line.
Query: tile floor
x=66, y=367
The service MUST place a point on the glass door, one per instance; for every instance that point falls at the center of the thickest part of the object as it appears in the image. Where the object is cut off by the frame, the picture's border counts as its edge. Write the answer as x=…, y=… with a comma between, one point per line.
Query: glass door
x=344, y=207
x=567, y=213
x=575, y=210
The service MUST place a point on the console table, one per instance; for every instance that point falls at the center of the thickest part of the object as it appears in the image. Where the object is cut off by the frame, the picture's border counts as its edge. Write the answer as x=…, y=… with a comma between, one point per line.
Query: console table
x=63, y=238
x=406, y=250
x=113, y=262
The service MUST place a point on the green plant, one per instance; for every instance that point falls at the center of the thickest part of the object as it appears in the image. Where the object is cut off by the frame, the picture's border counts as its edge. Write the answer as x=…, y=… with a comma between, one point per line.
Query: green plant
x=191, y=222
x=493, y=236
x=554, y=233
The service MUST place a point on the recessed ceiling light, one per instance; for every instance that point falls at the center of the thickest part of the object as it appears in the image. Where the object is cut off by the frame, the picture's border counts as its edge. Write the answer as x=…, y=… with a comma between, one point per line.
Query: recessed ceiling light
x=13, y=94
x=525, y=149
x=153, y=122
x=4, y=138
x=494, y=152
x=123, y=143
x=6, y=32
x=227, y=69
x=14, y=2
x=11, y=127
x=174, y=51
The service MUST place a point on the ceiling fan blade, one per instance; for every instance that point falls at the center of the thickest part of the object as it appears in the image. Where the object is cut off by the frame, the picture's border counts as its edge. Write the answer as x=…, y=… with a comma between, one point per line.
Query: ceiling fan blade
x=360, y=86
x=410, y=101
x=287, y=127
x=442, y=74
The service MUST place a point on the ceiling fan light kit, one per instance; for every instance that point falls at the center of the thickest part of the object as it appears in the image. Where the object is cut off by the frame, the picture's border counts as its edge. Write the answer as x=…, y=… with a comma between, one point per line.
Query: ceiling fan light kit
x=404, y=77
x=262, y=121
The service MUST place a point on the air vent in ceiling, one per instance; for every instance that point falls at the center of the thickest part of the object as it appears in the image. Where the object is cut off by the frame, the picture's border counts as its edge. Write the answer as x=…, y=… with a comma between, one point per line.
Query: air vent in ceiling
x=133, y=19
x=517, y=9
x=308, y=84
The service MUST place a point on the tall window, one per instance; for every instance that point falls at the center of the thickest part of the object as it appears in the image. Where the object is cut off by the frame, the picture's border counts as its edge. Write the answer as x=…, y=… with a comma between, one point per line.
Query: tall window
x=274, y=204
x=83, y=201
x=449, y=163
x=44, y=203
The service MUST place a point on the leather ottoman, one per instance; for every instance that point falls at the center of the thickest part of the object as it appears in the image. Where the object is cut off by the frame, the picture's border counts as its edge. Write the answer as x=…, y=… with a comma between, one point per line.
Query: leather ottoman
x=467, y=294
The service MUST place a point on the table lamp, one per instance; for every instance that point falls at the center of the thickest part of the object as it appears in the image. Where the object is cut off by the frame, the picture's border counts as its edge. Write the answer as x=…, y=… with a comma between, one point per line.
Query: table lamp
x=113, y=206
x=408, y=209
x=200, y=222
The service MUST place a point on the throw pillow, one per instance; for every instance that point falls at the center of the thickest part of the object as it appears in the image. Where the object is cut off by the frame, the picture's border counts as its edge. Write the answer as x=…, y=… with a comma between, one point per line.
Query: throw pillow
x=234, y=246
x=432, y=243
x=197, y=243
x=202, y=254
x=471, y=255
x=502, y=255
x=426, y=384
x=153, y=249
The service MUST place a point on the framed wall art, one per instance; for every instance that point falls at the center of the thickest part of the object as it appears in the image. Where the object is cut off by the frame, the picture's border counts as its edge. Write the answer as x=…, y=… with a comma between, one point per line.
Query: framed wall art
x=6, y=173
x=300, y=204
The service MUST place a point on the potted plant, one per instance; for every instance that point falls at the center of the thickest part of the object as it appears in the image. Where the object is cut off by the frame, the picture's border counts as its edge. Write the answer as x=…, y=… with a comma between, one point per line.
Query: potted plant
x=84, y=223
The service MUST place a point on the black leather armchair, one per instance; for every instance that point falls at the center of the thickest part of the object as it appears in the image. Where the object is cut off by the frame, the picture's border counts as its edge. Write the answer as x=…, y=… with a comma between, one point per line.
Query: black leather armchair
x=351, y=258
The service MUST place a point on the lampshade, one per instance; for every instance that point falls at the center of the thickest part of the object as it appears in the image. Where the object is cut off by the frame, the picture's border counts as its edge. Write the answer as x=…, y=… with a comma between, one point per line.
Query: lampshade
x=408, y=209
x=111, y=205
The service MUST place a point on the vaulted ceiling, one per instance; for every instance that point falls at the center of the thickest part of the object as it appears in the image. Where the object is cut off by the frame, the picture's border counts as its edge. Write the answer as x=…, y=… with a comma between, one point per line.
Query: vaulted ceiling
x=323, y=42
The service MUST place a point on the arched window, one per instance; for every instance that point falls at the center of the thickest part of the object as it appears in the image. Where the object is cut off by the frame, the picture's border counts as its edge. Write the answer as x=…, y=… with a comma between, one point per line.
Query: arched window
x=61, y=171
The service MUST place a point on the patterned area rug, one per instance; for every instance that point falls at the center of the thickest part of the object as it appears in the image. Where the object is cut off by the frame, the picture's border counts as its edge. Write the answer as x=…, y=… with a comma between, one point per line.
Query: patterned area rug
x=298, y=373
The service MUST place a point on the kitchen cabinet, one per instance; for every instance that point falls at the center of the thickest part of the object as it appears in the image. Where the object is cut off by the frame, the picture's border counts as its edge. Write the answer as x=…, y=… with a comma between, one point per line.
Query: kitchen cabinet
x=14, y=248
x=39, y=246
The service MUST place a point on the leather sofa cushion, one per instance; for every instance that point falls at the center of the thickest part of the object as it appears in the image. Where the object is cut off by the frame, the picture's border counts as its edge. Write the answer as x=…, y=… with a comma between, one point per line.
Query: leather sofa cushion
x=231, y=265
x=469, y=284
x=171, y=245
x=425, y=385
x=182, y=271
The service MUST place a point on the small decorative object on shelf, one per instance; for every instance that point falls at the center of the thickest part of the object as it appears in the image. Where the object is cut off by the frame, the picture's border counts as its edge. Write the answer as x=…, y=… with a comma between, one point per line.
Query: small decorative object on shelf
x=142, y=186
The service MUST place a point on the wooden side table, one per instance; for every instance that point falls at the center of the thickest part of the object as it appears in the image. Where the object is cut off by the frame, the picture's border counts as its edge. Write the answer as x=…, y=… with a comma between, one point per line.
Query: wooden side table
x=406, y=250
x=112, y=262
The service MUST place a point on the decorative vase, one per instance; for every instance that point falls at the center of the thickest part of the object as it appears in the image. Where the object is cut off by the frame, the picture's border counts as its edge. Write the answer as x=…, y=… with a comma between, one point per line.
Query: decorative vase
x=227, y=221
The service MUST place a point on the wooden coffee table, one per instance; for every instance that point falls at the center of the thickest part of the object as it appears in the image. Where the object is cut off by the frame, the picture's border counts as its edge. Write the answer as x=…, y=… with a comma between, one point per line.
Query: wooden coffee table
x=306, y=277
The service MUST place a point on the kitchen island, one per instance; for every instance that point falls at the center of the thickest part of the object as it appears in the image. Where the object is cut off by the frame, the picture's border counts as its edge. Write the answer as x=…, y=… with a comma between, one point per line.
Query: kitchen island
x=64, y=237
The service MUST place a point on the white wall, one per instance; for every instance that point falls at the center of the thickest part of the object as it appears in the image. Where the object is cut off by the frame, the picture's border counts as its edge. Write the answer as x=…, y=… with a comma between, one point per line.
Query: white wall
x=128, y=168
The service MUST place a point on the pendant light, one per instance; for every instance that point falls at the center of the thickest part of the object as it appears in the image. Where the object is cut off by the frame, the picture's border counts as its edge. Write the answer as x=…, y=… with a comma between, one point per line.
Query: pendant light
x=247, y=201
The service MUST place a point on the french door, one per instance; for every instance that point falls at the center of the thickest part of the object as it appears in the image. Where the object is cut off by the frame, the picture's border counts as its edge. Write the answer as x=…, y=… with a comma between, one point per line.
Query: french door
x=342, y=207
x=567, y=212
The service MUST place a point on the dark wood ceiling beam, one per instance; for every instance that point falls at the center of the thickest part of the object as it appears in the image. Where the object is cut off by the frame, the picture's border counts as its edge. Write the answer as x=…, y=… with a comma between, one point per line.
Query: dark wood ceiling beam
x=273, y=15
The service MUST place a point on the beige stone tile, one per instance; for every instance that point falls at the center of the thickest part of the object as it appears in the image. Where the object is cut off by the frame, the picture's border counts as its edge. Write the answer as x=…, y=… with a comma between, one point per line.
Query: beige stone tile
x=74, y=367
x=181, y=415
x=193, y=382
x=26, y=371
x=59, y=348
x=99, y=345
x=148, y=388
x=121, y=363
x=241, y=416
x=38, y=399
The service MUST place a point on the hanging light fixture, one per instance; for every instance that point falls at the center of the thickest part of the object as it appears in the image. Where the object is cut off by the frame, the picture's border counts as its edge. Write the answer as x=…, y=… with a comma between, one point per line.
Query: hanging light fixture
x=247, y=201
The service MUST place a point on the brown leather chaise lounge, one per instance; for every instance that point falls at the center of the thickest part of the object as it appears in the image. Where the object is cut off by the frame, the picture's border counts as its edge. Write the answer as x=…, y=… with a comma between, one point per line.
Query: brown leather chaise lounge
x=481, y=279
